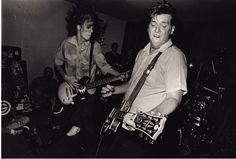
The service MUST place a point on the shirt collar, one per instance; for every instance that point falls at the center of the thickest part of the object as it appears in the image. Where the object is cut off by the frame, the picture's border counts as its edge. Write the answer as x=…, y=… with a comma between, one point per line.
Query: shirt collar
x=73, y=40
x=161, y=49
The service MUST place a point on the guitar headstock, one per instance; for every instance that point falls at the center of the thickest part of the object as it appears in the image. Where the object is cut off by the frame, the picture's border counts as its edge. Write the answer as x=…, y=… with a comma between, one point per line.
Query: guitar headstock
x=150, y=126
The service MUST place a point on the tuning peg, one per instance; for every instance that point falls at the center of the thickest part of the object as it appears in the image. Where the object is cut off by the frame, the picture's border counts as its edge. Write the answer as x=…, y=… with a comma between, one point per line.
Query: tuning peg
x=151, y=141
x=140, y=134
x=146, y=138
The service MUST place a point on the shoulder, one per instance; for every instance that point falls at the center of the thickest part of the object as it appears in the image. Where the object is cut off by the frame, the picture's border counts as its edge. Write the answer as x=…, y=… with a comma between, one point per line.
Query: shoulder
x=174, y=51
x=37, y=80
x=96, y=44
x=71, y=40
x=97, y=47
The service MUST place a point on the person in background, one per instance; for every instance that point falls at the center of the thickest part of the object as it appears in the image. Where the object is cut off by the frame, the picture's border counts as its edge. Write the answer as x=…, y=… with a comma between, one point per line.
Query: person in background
x=129, y=63
x=114, y=58
x=43, y=88
x=161, y=93
x=72, y=62
x=44, y=93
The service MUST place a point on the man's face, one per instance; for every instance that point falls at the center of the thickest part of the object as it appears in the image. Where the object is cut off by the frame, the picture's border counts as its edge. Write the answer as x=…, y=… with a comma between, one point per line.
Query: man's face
x=159, y=30
x=86, y=30
x=114, y=48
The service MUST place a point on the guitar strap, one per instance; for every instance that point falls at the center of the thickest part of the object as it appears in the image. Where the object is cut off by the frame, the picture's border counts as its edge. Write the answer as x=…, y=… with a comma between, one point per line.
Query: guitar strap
x=140, y=83
x=90, y=58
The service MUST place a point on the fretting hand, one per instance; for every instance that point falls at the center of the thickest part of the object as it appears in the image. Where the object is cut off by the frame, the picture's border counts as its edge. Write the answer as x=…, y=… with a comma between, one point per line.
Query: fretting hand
x=128, y=121
x=107, y=90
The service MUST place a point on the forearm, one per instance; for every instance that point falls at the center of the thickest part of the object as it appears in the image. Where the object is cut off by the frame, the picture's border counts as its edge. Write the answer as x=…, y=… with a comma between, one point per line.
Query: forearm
x=113, y=72
x=166, y=107
x=121, y=88
x=60, y=70
x=170, y=103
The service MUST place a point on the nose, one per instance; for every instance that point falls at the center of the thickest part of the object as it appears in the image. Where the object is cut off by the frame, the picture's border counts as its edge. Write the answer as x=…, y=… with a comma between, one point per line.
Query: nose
x=157, y=28
x=91, y=29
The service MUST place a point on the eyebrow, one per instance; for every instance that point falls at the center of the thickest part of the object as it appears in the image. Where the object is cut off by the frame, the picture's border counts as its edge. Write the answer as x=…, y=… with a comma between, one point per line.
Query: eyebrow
x=89, y=25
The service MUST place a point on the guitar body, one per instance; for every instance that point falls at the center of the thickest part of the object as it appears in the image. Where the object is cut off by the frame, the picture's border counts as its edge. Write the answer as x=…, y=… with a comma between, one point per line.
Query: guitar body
x=111, y=123
x=149, y=126
x=66, y=94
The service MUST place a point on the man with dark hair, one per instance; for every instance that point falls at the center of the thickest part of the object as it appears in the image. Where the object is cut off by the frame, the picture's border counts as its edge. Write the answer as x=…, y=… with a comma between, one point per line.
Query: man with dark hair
x=161, y=92
x=74, y=60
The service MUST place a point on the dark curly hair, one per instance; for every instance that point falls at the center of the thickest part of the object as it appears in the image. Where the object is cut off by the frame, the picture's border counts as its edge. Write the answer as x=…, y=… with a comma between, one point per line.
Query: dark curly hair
x=163, y=8
x=78, y=15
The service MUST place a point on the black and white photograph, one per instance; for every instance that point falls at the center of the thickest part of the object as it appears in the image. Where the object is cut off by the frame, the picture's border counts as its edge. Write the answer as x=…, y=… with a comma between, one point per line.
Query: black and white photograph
x=118, y=79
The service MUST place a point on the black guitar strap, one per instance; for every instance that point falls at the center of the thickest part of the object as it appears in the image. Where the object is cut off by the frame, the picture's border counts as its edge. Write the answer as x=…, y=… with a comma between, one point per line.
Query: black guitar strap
x=90, y=58
x=140, y=83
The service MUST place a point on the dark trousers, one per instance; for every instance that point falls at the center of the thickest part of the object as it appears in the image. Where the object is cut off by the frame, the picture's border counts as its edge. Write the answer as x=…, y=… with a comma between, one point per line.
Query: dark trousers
x=84, y=113
x=125, y=144
x=86, y=118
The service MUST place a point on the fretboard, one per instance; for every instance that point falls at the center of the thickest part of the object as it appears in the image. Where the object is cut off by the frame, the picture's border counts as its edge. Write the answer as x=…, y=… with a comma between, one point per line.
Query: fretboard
x=120, y=115
x=102, y=82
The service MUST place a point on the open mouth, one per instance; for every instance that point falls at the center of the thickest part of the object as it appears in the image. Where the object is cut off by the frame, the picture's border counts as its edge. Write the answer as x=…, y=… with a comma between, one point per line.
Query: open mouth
x=156, y=36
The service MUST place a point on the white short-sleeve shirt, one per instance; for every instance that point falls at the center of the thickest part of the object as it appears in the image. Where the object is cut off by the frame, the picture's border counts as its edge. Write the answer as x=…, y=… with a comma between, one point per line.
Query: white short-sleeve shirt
x=169, y=74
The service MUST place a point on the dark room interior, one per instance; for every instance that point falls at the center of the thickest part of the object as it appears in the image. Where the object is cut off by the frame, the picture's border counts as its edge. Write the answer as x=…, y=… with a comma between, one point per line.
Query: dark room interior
x=32, y=31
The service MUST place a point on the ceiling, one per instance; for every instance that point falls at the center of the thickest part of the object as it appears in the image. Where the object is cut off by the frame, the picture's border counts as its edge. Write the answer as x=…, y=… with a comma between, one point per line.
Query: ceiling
x=188, y=10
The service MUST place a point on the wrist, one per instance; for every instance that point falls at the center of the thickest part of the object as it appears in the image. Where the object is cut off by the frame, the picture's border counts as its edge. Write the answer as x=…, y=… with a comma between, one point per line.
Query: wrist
x=159, y=114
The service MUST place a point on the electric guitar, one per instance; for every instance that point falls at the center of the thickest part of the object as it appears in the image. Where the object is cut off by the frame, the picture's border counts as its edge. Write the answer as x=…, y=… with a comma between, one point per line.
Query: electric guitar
x=149, y=126
x=66, y=94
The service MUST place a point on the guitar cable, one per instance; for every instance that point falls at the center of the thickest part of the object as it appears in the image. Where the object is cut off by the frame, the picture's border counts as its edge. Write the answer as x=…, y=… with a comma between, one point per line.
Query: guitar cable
x=58, y=112
x=180, y=136
x=99, y=145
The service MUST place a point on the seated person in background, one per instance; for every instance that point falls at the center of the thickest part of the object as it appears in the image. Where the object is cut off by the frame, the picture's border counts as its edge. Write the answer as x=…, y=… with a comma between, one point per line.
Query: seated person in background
x=114, y=58
x=43, y=90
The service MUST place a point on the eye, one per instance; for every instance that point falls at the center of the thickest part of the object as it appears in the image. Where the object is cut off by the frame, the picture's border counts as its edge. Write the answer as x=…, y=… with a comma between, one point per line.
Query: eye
x=164, y=26
x=153, y=24
x=89, y=26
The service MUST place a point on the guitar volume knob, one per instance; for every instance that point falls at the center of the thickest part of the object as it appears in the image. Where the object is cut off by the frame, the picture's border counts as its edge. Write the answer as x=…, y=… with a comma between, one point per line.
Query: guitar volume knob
x=151, y=141
x=156, y=127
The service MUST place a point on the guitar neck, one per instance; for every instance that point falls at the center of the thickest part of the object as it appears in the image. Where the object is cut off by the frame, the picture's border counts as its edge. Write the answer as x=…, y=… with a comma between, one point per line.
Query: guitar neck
x=120, y=115
x=102, y=82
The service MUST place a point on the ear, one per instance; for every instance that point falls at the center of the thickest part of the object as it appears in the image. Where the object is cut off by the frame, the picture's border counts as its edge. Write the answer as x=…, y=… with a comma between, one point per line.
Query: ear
x=172, y=30
x=78, y=27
